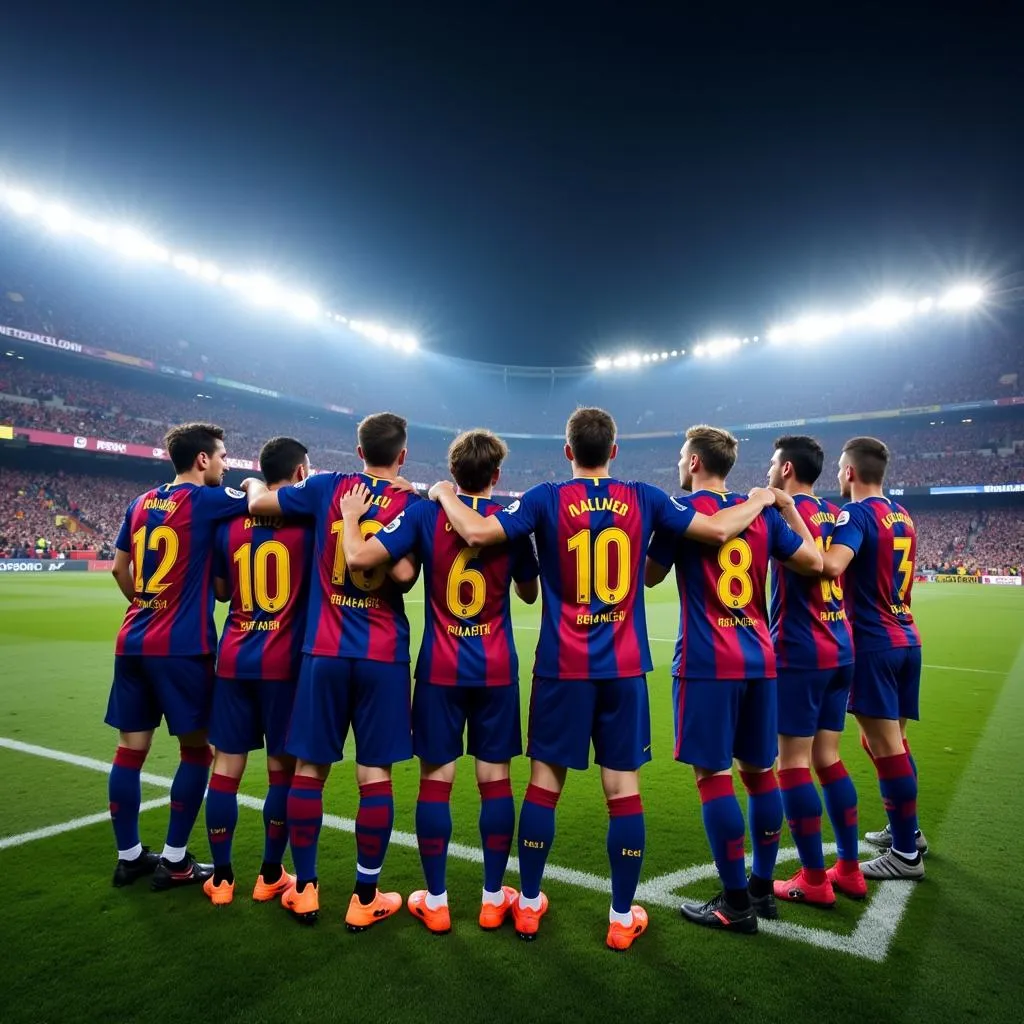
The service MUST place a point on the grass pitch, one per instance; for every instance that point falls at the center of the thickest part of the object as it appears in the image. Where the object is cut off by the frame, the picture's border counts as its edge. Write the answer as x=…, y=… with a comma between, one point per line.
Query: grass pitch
x=78, y=950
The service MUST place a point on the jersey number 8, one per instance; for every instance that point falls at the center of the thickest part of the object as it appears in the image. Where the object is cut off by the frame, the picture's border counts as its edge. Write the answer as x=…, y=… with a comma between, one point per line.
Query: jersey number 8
x=735, y=587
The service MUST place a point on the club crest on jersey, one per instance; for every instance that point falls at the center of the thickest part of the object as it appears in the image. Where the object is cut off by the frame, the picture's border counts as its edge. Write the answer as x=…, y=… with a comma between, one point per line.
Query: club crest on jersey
x=844, y=518
x=514, y=507
x=232, y=493
x=394, y=524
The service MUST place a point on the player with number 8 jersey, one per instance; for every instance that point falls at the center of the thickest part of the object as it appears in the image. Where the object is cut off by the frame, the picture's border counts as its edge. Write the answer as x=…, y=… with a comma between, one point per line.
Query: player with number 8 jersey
x=355, y=670
x=589, y=681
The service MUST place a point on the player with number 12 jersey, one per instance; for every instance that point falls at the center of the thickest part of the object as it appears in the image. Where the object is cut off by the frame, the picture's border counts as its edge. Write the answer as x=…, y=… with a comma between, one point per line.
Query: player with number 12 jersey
x=589, y=681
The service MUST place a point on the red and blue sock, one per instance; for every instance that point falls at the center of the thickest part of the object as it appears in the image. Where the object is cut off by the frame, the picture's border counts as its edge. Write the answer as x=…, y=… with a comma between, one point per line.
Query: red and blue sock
x=187, y=791
x=275, y=822
x=221, y=820
x=765, y=814
x=913, y=763
x=898, y=784
x=374, y=821
x=305, y=819
x=626, y=838
x=124, y=793
x=841, y=803
x=536, y=834
x=723, y=823
x=497, y=826
x=434, y=832
x=802, y=806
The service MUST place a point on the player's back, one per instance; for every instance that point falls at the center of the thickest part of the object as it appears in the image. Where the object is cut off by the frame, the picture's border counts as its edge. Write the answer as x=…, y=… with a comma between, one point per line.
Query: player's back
x=591, y=543
x=809, y=623
x=880, y=580
x=169, y=533
x=723, y=631
x=467, y=635
x=352, y=613
x=265, y=561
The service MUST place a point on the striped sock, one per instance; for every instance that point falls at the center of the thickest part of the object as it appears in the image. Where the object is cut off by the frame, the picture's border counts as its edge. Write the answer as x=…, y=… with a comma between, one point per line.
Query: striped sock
x=221, y=819
x=434, y=832
x=802, y=805
x=497, y=826
x=374, y=821
x=626, y=837
x=536, y=834
x=187, y=791
x=305, y=819
x=898, y=784
x=841, y=803
x=764, y=810
x=723, y=823
x=124, y=792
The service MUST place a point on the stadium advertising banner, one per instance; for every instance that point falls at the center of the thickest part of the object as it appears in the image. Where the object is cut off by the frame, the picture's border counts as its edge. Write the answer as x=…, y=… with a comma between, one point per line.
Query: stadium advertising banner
x=955, y=578
x=40, y=565
x=1003, y=581
x=77, y=347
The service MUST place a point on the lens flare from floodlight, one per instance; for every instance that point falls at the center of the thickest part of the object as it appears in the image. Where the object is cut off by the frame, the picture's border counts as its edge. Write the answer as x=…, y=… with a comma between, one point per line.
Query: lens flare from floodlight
x=58, y=218
x=963, y=296
x=305, y=307
x=777, y=335
x=210, y=272
x=634, y=359
x=675, y=352
x=698, y=351
x=21, y=202
x=186, y=264
x=888, y=311
x=620, y=361
x=925, y=305
x=604, y=363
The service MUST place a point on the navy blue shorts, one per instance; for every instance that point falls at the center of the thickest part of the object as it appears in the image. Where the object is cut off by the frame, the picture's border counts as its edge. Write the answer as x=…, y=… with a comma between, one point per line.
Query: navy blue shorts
x=717, y=720
x=566, y=715
x=813, y=699
x=887, y=684
x=147, y=688
x=441, y=714
x=373, y=697
x=245, y=711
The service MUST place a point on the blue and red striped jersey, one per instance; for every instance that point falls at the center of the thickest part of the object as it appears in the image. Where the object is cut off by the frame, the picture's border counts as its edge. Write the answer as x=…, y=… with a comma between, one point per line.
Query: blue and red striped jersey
x=880, y=578
x=467, y=628
x=169, y=533
x=351, y=614
x=809, y=625
x=723, y=619
x=592, y=535
x=266, y=562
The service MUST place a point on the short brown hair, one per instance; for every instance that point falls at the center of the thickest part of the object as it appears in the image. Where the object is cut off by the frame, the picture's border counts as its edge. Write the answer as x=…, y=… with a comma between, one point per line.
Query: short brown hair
x=590, y=433
x=185, y=442
x=280, y=457
x=474, y=457
x=716, y=447
x=382, y=437
x=869, y=458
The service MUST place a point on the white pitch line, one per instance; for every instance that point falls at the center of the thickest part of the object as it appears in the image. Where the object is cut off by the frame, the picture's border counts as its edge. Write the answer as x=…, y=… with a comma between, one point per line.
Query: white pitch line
x=70, y=826
x=870, y=940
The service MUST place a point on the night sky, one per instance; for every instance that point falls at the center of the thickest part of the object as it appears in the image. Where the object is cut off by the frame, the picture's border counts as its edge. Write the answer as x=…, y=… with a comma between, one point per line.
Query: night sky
x=537, y=186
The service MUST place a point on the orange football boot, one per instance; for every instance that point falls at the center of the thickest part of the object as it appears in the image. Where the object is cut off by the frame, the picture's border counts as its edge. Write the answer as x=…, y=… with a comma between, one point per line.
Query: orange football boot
x=304, y=906
x=848, y=879
x=361, y=916
x=437, y=921
x=527, y=921
x=263, y=892
x=219, y=895
x=800, y=889
x=493, y=916
x=622, y=936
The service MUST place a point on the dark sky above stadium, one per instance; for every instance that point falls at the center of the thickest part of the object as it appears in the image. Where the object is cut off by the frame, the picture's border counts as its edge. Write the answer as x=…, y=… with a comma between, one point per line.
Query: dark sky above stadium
x=537, y=182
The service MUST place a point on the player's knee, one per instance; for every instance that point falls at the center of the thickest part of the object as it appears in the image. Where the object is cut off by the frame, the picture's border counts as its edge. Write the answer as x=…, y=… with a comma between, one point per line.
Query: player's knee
x=281, y=764
x=619, y=784
x=230, y=765
x=489, y=771
x=309, y=770
x=547, y=776
x=366, y=774
x=140, y=741
x=794, y=752
x=438, y=772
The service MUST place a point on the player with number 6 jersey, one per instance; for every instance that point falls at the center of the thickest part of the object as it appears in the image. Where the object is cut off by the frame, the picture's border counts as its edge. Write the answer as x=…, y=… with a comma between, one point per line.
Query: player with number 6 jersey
x=874, y=543
x=163, y=665
x=467, y=675
x=261, y=565
x=589, y=681
x=355, y=670
x=724, y=691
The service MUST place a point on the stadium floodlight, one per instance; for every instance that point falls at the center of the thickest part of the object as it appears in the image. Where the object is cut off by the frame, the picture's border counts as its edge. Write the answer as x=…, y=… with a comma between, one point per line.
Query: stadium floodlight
x=925, y=305
x=888, y=312
x=603, y=364
x=646, y=357
x=58, y=218
x=963, y=296
x=21, y=202
x=777, y=335
x=133, y=244
x=675, y=352
x=186, y=264
x=634, y=359
x=621, y=361
x=305, y=307
x=409, y=344
x=664, y=355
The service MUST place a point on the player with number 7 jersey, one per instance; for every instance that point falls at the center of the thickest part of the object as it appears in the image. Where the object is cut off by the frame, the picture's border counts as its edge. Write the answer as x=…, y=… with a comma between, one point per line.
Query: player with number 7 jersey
x=589, y=684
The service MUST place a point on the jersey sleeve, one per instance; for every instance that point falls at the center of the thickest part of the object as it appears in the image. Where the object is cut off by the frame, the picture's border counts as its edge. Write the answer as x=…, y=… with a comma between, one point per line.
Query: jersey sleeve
x=522, y=516
x=222, y=502
x=308, y=496
x=849, y=529
x=403, y=533
x=124, y=535
x=525, y=566
x=662, y=548
x=784, y=540
x=220, y=553
x=672, y=515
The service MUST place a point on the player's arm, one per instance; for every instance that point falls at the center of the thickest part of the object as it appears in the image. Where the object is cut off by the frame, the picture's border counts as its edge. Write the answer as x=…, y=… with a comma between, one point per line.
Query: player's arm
x=262, y=500
x=844, y=543
x=476, y=530
x=360, y=552
x=221, y=589
x=525, y=570
x=122, y=573
x=661, y=553
x=729, y=522
x=806, y=559
x=405, y=572
x=528, y=590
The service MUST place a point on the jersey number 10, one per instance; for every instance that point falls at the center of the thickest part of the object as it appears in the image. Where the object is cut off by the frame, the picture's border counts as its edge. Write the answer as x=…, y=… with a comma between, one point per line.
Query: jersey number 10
x=254, y=575
x=594, y=568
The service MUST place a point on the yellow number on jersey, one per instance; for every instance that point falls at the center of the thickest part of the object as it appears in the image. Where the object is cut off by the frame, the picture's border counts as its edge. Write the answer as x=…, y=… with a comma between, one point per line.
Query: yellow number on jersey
x=735, y=571
x=257, y=570
x=461, y=575
x=160, y=537
x=364, y=579
x=906, y=566
x=830, y=589
x=593, y=569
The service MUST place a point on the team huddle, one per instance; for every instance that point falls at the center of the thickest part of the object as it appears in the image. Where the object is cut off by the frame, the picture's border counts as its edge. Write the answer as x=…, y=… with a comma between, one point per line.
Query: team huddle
x=792, y=612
